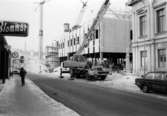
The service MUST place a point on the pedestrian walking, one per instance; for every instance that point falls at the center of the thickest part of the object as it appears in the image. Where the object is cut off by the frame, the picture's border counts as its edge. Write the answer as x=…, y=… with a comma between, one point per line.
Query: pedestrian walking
x=22, y=75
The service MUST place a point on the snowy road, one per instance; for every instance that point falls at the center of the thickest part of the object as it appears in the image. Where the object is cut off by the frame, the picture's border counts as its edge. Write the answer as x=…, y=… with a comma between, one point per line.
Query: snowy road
x=92, y=100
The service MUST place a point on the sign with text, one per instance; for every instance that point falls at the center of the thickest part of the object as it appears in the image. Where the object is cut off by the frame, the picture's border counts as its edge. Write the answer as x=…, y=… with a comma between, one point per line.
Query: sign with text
x=13, y=28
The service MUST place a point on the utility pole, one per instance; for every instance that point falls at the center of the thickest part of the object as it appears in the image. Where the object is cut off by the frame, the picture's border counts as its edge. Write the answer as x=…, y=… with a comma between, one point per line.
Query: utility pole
x=41, y=32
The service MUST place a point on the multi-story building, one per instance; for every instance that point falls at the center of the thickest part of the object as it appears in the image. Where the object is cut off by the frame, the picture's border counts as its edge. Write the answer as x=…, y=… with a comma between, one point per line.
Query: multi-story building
x=109, y=39
x=52, y=59
x=150, y=35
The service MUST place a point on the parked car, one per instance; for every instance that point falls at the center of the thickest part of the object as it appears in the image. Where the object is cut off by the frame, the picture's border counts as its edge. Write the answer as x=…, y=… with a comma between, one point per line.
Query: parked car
x=16, y=72
x=97, y=73
x=153, y=81
x=64, y=69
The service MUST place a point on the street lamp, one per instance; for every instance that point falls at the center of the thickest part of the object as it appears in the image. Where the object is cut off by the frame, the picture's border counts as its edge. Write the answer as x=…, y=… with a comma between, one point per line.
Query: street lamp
x=41, y=3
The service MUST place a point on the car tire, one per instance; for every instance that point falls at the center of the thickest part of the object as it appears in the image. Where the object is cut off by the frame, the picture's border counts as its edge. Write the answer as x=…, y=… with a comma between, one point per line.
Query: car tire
x=145, y=89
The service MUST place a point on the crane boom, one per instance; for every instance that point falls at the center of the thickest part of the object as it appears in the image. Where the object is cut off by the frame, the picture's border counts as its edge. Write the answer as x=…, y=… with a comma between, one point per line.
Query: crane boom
x=100, y=14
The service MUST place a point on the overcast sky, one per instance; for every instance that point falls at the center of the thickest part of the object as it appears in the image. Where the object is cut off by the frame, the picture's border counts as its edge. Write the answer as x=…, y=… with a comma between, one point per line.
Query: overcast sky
x=56, y=13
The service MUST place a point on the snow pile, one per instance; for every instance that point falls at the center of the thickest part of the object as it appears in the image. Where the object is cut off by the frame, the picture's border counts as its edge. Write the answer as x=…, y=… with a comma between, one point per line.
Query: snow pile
x=119, y=81
x=125, y=82
x=56, y=74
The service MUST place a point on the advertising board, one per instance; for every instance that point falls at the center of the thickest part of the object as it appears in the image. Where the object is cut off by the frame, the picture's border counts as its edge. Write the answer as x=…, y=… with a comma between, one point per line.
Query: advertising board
x=8, y=28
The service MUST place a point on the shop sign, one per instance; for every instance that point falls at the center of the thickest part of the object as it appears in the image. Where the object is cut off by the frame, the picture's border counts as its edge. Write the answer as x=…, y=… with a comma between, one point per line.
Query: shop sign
x=13, y=28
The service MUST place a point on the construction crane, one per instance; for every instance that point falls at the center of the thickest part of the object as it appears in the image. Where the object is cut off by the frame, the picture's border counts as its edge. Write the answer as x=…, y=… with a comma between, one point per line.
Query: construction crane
x=99, y=15
x=81, y=14
x=78, y=65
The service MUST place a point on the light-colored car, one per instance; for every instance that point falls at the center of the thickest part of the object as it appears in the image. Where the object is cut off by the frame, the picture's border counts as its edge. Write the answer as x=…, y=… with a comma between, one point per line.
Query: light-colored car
x=64, y=69
x=97, y=73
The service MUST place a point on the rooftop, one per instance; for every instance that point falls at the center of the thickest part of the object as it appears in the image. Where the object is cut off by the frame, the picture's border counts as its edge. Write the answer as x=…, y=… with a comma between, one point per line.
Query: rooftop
x=132, y=2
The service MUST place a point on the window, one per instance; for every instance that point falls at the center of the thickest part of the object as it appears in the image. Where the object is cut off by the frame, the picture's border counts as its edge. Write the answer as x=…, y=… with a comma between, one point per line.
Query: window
x=164, y=76
x=97, y=34
x=143, y=58
x=131, y=35
x=142, y=25
x=68, y=43
x=63, y=45
x=158, y=76
x=161, y=57
x=160, y=20
x=149, y=76
x=77, y=40
x=74, y=41
x=71, y=42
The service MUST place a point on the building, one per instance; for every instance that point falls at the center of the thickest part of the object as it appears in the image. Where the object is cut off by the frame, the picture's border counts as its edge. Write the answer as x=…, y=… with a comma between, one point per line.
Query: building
x=5, y=59
x=109, y=39
x=52, y=59
x=149, y=43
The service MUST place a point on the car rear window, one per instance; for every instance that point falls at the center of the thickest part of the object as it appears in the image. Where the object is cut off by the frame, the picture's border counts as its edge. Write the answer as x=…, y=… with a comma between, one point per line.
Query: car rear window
x=156, y=76
x=149, y=76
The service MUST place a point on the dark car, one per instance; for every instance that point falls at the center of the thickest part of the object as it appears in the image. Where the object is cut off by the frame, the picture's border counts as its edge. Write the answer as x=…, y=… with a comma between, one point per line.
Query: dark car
x=97, y=73
x=15, y=72
x=153, y=81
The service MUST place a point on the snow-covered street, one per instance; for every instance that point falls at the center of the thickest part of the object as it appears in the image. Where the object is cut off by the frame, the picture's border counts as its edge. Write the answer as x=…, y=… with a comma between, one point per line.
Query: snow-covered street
x=125, y=82
x=29, y=100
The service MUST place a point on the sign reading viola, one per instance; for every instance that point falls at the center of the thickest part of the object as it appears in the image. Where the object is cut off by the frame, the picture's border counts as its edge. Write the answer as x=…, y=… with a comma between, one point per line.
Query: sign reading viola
x=13, y=28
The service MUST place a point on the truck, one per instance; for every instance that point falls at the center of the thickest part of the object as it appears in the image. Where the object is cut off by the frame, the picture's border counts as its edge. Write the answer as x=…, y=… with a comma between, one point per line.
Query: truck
x=78, y=66
x=81, y=68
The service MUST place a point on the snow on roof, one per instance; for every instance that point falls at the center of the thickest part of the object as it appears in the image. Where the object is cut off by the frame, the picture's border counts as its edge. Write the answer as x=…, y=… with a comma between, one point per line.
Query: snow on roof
x=119, y=15
x=89, y=13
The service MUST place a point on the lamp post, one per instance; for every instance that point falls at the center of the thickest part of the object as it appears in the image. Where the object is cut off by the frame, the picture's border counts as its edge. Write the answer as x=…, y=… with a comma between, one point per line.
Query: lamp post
x=41, y=33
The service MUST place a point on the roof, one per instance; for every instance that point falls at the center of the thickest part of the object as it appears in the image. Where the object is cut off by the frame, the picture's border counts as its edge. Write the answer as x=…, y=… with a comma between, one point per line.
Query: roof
x=132, y=2
x=89, y=13
x=118, y=14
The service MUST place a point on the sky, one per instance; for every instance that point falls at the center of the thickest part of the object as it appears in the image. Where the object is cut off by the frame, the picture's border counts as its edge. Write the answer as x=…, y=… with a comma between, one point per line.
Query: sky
x=56, y=13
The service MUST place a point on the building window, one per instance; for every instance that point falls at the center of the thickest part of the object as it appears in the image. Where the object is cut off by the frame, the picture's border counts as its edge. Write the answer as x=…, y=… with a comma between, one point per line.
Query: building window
x=71, y=42
x=97, y=33
x=161, y=57
x=160, y=20
x=142, y=25
x=143, y=58
x=77, y=40
x=131, y=35
x=74, y=41
x=63, y=45
x=68, y=43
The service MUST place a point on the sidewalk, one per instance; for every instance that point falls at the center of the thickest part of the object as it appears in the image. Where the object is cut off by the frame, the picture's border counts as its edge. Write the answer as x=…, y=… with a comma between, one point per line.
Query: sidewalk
x=29, y=100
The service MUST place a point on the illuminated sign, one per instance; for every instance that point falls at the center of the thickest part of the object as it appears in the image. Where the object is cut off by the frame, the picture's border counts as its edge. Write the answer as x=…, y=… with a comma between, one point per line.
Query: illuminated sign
x=13, y=28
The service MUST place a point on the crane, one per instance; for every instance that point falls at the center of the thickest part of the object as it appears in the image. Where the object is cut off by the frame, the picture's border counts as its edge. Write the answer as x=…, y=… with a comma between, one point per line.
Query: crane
x=100, y=14
x=81, y=14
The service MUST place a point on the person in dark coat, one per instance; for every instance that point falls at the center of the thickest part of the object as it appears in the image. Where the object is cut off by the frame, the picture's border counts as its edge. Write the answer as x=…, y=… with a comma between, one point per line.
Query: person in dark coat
x=22, y=75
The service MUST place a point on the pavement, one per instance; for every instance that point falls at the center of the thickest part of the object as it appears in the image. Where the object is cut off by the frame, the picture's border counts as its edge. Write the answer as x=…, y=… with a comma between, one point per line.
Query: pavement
x=29, y=100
